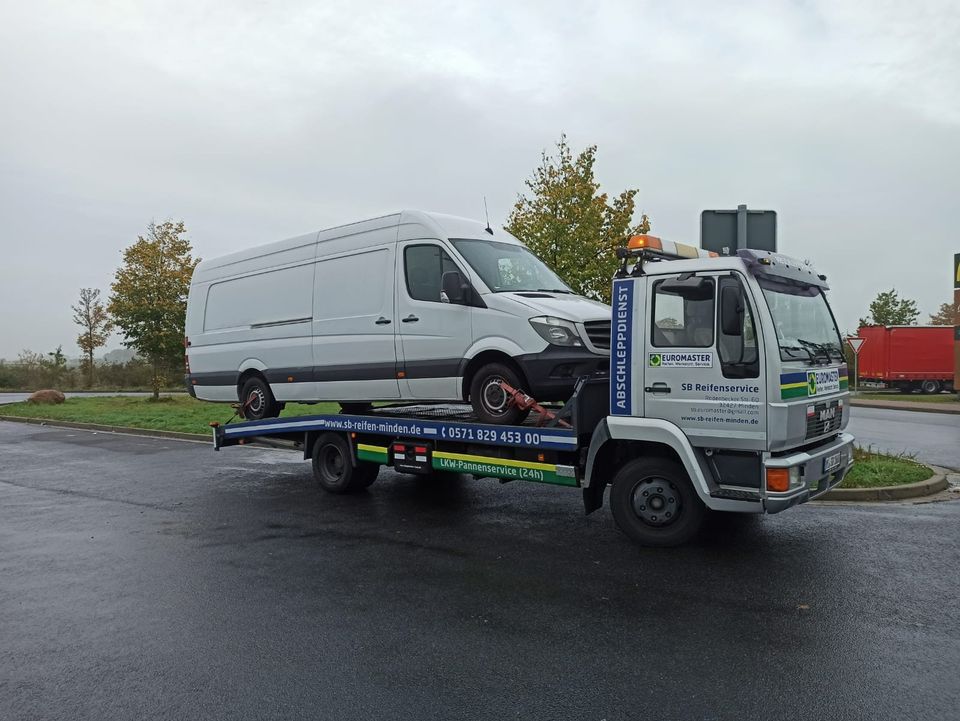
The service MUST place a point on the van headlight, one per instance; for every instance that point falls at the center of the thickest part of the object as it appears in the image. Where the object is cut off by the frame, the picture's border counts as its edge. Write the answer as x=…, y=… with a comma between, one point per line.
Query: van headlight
x=556, y=330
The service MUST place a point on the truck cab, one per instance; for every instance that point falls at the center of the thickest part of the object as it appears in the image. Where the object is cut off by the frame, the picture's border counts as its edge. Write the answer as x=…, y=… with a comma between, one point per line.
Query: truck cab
x=728, y=376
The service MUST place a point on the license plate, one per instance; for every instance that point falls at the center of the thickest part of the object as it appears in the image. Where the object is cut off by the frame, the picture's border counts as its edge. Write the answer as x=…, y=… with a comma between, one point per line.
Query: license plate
x=831, y=463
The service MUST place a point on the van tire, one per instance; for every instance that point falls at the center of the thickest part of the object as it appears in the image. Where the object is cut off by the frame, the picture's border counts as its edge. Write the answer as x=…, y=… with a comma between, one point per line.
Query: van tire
x=257, y=401
x=679, y=512
x=334, y=468
x=490, y=403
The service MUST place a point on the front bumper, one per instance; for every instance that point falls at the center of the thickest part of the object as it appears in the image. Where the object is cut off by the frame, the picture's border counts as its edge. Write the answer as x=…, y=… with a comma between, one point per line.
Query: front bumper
x=814, y=480
x=552, y=374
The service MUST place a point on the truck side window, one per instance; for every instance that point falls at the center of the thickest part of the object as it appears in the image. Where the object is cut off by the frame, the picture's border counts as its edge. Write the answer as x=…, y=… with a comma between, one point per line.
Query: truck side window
x=739, y=357
x=424, y=266
x=683, y=313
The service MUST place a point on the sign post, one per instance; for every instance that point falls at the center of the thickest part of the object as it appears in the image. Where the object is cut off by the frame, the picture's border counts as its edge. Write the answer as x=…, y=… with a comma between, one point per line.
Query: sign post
x=856, y=344
x=956, y=323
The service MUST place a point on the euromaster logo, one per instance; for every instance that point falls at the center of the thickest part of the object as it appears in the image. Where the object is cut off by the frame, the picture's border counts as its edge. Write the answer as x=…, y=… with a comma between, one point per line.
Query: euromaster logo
x=680, y=360
x=823, y=381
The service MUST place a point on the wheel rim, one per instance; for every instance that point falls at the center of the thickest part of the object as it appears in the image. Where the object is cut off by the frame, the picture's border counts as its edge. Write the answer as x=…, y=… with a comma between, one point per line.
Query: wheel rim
x=495, y=399
x=256, y=401
x=929, y=387
x=331, y=463
x=656, y=502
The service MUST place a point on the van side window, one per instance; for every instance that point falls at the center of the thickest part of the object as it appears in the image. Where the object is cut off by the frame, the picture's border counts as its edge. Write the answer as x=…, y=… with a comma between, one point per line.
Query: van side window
x=423, y=267
x=739, y=357
x=683, y=313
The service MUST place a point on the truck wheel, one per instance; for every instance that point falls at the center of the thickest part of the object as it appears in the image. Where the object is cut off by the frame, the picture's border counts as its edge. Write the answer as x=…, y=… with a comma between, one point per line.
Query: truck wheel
x=333, y=466
x=490, y=402
x=930, y=387
x=257, y=400
x=654, y=503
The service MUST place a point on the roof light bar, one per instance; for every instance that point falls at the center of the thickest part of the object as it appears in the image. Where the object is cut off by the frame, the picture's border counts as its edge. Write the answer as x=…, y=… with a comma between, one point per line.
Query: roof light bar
x=653, y=245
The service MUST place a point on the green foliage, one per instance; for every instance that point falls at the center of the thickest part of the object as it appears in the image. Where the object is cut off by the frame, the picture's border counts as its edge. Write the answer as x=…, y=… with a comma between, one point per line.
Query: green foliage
x=946, y=315
x=179, y=413
x=91, y=315
x=888, y=308
x=570, y=225
x=148, y=298
x=873, y=470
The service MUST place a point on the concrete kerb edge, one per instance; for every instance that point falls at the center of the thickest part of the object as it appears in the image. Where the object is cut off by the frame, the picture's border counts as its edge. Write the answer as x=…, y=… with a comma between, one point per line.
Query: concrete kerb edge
x=923, y=407
x=125, y=430
x=934, y=484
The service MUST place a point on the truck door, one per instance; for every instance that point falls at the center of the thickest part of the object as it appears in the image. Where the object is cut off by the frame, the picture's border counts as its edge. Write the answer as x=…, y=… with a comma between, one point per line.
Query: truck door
x=701, y=368
x=434, y=334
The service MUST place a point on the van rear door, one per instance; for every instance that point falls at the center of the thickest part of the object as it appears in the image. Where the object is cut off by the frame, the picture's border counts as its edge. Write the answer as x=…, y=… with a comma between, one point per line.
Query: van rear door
x=354, y=354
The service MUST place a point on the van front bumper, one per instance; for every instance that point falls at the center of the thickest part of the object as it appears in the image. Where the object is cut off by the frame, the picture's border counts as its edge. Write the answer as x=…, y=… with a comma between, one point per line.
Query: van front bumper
x=814, y=479
x=552, y=374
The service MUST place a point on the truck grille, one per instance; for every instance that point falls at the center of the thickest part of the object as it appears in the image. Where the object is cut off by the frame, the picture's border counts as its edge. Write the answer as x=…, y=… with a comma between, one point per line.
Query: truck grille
x=598, y=331
x=824, y=418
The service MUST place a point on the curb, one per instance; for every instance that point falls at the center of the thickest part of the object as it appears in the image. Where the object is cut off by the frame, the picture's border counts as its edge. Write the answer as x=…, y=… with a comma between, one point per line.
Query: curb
x=923, y=407
x=934, y=484
x=176, y=435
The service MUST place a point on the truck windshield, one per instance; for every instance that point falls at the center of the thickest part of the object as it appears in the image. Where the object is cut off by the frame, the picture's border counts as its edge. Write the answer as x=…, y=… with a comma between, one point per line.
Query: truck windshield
x=508, y=266
x=805, y=326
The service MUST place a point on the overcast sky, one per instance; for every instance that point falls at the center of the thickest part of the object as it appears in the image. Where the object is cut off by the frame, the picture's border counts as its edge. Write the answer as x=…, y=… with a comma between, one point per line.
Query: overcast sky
x=255, y=121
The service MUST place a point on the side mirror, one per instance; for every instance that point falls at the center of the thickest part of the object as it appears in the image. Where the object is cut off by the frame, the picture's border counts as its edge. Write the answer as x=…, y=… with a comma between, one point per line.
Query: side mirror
x=731, y=310
x=454, y=289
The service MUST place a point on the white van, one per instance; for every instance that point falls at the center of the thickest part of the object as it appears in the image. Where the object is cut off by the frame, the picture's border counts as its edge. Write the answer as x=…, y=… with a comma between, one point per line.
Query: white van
x=411, y=306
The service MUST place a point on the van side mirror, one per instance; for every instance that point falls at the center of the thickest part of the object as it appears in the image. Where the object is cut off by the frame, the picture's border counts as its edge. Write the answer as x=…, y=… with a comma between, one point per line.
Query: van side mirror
x=454, y=288
x=731, y=310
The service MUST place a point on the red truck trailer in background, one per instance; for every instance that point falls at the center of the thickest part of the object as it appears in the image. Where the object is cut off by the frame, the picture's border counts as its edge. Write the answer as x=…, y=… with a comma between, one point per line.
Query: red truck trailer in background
x=907, y=357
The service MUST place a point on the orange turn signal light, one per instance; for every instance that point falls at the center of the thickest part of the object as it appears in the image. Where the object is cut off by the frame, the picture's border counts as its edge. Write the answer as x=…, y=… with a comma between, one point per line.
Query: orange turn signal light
x=650, y=242
x=778, y=479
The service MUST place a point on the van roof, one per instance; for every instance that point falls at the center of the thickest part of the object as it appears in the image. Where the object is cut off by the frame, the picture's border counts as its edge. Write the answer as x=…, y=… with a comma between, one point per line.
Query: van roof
x=411, y=224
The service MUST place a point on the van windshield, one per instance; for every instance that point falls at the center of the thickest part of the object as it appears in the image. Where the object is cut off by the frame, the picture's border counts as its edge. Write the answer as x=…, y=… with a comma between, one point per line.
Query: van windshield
x=508, y=267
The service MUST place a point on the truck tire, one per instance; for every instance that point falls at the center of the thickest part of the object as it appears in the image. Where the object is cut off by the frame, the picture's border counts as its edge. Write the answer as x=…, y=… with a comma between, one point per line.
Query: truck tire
x=333, y=466
x=654, y=503
x=257, y=401
x=490, y=402
x=930, y=387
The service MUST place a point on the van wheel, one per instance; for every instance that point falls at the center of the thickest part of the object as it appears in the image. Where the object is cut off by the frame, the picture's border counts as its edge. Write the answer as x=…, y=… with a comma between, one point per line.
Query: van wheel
x=654, y=503
x=333, y=466
x=490, y=402
x=257, y=401
x=930, y=387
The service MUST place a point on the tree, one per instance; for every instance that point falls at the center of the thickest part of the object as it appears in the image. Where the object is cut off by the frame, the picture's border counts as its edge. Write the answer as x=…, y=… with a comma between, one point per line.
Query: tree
x=889, y=309
x=946, y=315
x=91, y=315
x=570, y=225
x=57, y=364
x=148, y=298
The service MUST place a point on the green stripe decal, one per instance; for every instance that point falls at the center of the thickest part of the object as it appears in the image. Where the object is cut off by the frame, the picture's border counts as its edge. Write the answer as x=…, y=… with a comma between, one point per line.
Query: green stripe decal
x=375, y=454
x=501, y=468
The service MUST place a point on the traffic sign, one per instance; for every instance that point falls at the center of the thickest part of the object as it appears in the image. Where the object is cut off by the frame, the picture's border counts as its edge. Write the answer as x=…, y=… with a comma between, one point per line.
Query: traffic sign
x=856, y=344
x=726, y=231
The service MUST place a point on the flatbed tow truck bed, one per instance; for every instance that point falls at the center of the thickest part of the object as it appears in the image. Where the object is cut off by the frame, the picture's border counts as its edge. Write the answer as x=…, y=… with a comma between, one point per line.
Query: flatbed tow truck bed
x=428, y=438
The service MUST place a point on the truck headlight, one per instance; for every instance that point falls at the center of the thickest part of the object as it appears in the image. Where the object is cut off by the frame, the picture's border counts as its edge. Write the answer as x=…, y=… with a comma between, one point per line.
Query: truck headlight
x=556, y=331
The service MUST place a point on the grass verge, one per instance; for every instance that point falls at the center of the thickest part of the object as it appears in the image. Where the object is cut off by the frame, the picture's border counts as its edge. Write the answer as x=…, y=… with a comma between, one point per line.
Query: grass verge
x=171, y=413
x=874, y=470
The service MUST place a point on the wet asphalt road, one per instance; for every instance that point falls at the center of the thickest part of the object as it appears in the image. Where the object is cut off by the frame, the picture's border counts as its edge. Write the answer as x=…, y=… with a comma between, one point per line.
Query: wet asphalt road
x=148, y=578
x=931, y=437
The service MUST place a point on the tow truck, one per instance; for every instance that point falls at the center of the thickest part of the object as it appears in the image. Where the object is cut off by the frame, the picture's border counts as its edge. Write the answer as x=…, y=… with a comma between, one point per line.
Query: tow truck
x=727, y=392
